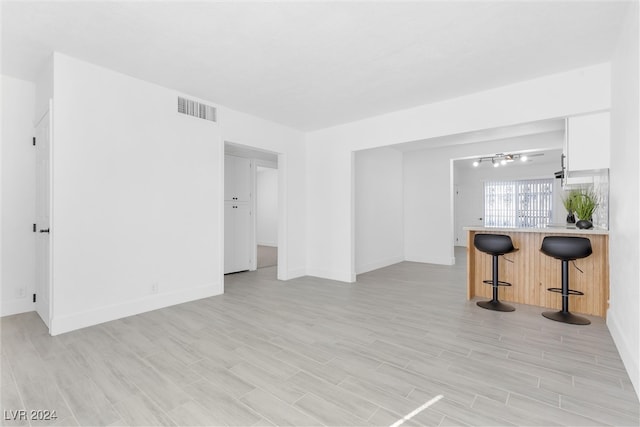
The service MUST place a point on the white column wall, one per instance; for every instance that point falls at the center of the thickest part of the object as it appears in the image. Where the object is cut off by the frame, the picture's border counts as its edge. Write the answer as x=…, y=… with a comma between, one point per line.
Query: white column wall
x=623, y=317
x=378, y=209
x=17, y=263
x=330, y=219
x=267, y=206
x=136, y=196
x=428, y=186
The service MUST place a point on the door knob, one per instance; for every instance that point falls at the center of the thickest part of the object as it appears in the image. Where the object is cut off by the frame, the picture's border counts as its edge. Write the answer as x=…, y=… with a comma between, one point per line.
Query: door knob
x=46, y=230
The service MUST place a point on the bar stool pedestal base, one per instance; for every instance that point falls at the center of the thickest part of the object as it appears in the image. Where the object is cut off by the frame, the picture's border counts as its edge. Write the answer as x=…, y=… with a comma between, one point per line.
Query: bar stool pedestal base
x=495, y=305
x=566, y=317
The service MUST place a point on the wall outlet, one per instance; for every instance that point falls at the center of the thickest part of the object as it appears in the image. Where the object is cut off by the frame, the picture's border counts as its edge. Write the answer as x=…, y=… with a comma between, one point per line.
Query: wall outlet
x=154, y=288
x=21, y=292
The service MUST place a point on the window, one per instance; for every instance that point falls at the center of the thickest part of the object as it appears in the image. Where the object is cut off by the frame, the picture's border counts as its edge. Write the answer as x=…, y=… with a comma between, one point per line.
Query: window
x=525, y=203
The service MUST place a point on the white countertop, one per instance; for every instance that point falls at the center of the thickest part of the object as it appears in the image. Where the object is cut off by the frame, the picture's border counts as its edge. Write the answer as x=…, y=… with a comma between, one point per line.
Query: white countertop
x=546, y=230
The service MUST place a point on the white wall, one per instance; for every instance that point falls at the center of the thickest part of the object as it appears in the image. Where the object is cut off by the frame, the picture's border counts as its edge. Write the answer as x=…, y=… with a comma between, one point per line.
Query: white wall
x=470, y=182
x=267, y=206
x=428, y=193
x=17, y=267
x=623, y=317
x=330, y=235
x=378, y=209
x=136, y=195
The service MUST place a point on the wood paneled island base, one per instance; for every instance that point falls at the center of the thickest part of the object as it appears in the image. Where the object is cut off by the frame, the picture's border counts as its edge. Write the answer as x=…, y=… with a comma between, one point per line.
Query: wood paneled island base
x=532, y=272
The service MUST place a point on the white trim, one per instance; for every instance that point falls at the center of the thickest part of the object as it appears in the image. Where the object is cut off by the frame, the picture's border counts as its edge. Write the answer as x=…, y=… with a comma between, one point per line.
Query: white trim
x=628, y=356
x=266, y=164
x=282, y=232
x=107, y=313
x=293, y=274
x=221, y=205
x=253, y=212
x=270, y=244
x=379, y=264
x=52, y=217
x=431, y=260
x=339, y=276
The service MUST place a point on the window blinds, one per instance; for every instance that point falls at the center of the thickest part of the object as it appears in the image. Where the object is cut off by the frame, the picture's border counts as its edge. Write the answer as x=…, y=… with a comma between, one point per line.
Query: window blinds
x=523, y=203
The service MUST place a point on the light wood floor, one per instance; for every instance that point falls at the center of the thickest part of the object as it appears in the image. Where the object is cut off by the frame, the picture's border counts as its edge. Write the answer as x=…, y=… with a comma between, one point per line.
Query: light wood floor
x=316, y=352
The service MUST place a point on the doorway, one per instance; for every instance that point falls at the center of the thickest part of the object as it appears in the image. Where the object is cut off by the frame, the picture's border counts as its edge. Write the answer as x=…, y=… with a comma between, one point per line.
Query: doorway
x=253, y=237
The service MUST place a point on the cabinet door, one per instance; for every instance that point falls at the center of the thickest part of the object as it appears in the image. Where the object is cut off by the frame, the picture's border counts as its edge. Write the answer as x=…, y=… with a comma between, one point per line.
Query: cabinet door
x=588, y=142
x=242, y=179
x=237, y=179
x=241, y=234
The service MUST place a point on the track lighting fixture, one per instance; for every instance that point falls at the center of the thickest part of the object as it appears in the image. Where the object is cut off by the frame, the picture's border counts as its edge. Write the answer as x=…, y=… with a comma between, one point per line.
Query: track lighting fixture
x=503, y=159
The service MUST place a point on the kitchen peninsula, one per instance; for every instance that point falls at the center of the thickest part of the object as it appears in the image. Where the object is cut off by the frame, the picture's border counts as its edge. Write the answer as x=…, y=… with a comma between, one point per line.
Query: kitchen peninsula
x=532, y=272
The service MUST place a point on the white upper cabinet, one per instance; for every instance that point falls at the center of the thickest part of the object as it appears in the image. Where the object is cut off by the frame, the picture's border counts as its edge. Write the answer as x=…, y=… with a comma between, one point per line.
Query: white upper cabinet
x=237, y=179
x=587, y=142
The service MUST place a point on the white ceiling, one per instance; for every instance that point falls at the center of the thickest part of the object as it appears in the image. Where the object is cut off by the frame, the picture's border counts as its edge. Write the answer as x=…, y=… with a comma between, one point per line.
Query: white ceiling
x=310, y=65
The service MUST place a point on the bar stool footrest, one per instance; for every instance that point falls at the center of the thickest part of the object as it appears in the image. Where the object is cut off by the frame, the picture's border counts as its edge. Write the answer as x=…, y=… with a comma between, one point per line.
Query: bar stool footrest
x=500, y=283
x=569, y=292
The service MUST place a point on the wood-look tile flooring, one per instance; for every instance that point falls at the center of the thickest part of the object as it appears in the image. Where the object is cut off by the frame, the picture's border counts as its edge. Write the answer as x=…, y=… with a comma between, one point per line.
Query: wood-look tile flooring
x=313, y=352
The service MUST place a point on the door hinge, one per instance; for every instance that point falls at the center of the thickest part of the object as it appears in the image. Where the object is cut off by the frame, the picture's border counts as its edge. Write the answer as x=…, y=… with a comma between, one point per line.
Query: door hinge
x=34, y=297
x=34, y=141
x=34, y=228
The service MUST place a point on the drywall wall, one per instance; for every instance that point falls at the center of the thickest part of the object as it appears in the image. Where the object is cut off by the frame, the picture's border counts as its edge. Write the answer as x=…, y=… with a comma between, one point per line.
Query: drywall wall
x=623, y=317
x=44, y=89
x=330, y=219
x=428, y=193
x=267, y=206
x=469, y=186
x=18, y=196
x=251, y=131
x=378, y=209
x=136, y=196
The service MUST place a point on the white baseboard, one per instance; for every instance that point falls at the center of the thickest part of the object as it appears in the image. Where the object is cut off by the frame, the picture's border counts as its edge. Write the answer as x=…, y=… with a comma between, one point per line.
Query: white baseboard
x=16, y=306
x=71, y=322
x=270, y=244
x=379, y=264
x=630, y=358
x=431, y=260
x=332, y=275
x=293, y=274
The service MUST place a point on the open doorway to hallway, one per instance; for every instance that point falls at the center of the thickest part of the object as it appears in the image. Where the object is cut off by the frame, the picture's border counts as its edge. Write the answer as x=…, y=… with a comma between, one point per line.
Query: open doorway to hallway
x=251, y=214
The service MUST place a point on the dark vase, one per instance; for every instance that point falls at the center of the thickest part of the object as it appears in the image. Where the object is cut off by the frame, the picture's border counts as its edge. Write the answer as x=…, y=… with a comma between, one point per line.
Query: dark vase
x=584, y=224
x=571, y=218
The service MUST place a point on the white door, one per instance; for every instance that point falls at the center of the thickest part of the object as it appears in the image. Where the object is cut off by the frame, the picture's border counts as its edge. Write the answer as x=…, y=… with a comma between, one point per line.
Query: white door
x=43, y=209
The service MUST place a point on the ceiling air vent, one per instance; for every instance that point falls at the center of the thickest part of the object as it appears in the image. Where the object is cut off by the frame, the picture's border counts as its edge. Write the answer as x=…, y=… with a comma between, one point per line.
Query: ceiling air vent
x=196, y=109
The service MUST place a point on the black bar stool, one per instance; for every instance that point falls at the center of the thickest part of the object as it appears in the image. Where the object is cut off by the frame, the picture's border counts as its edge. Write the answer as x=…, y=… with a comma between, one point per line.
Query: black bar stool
x=495, y=245
x=566, y=249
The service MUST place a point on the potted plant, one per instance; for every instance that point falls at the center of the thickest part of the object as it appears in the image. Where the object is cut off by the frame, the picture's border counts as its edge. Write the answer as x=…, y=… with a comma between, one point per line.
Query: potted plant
x=569, y=201
x=585, y=204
